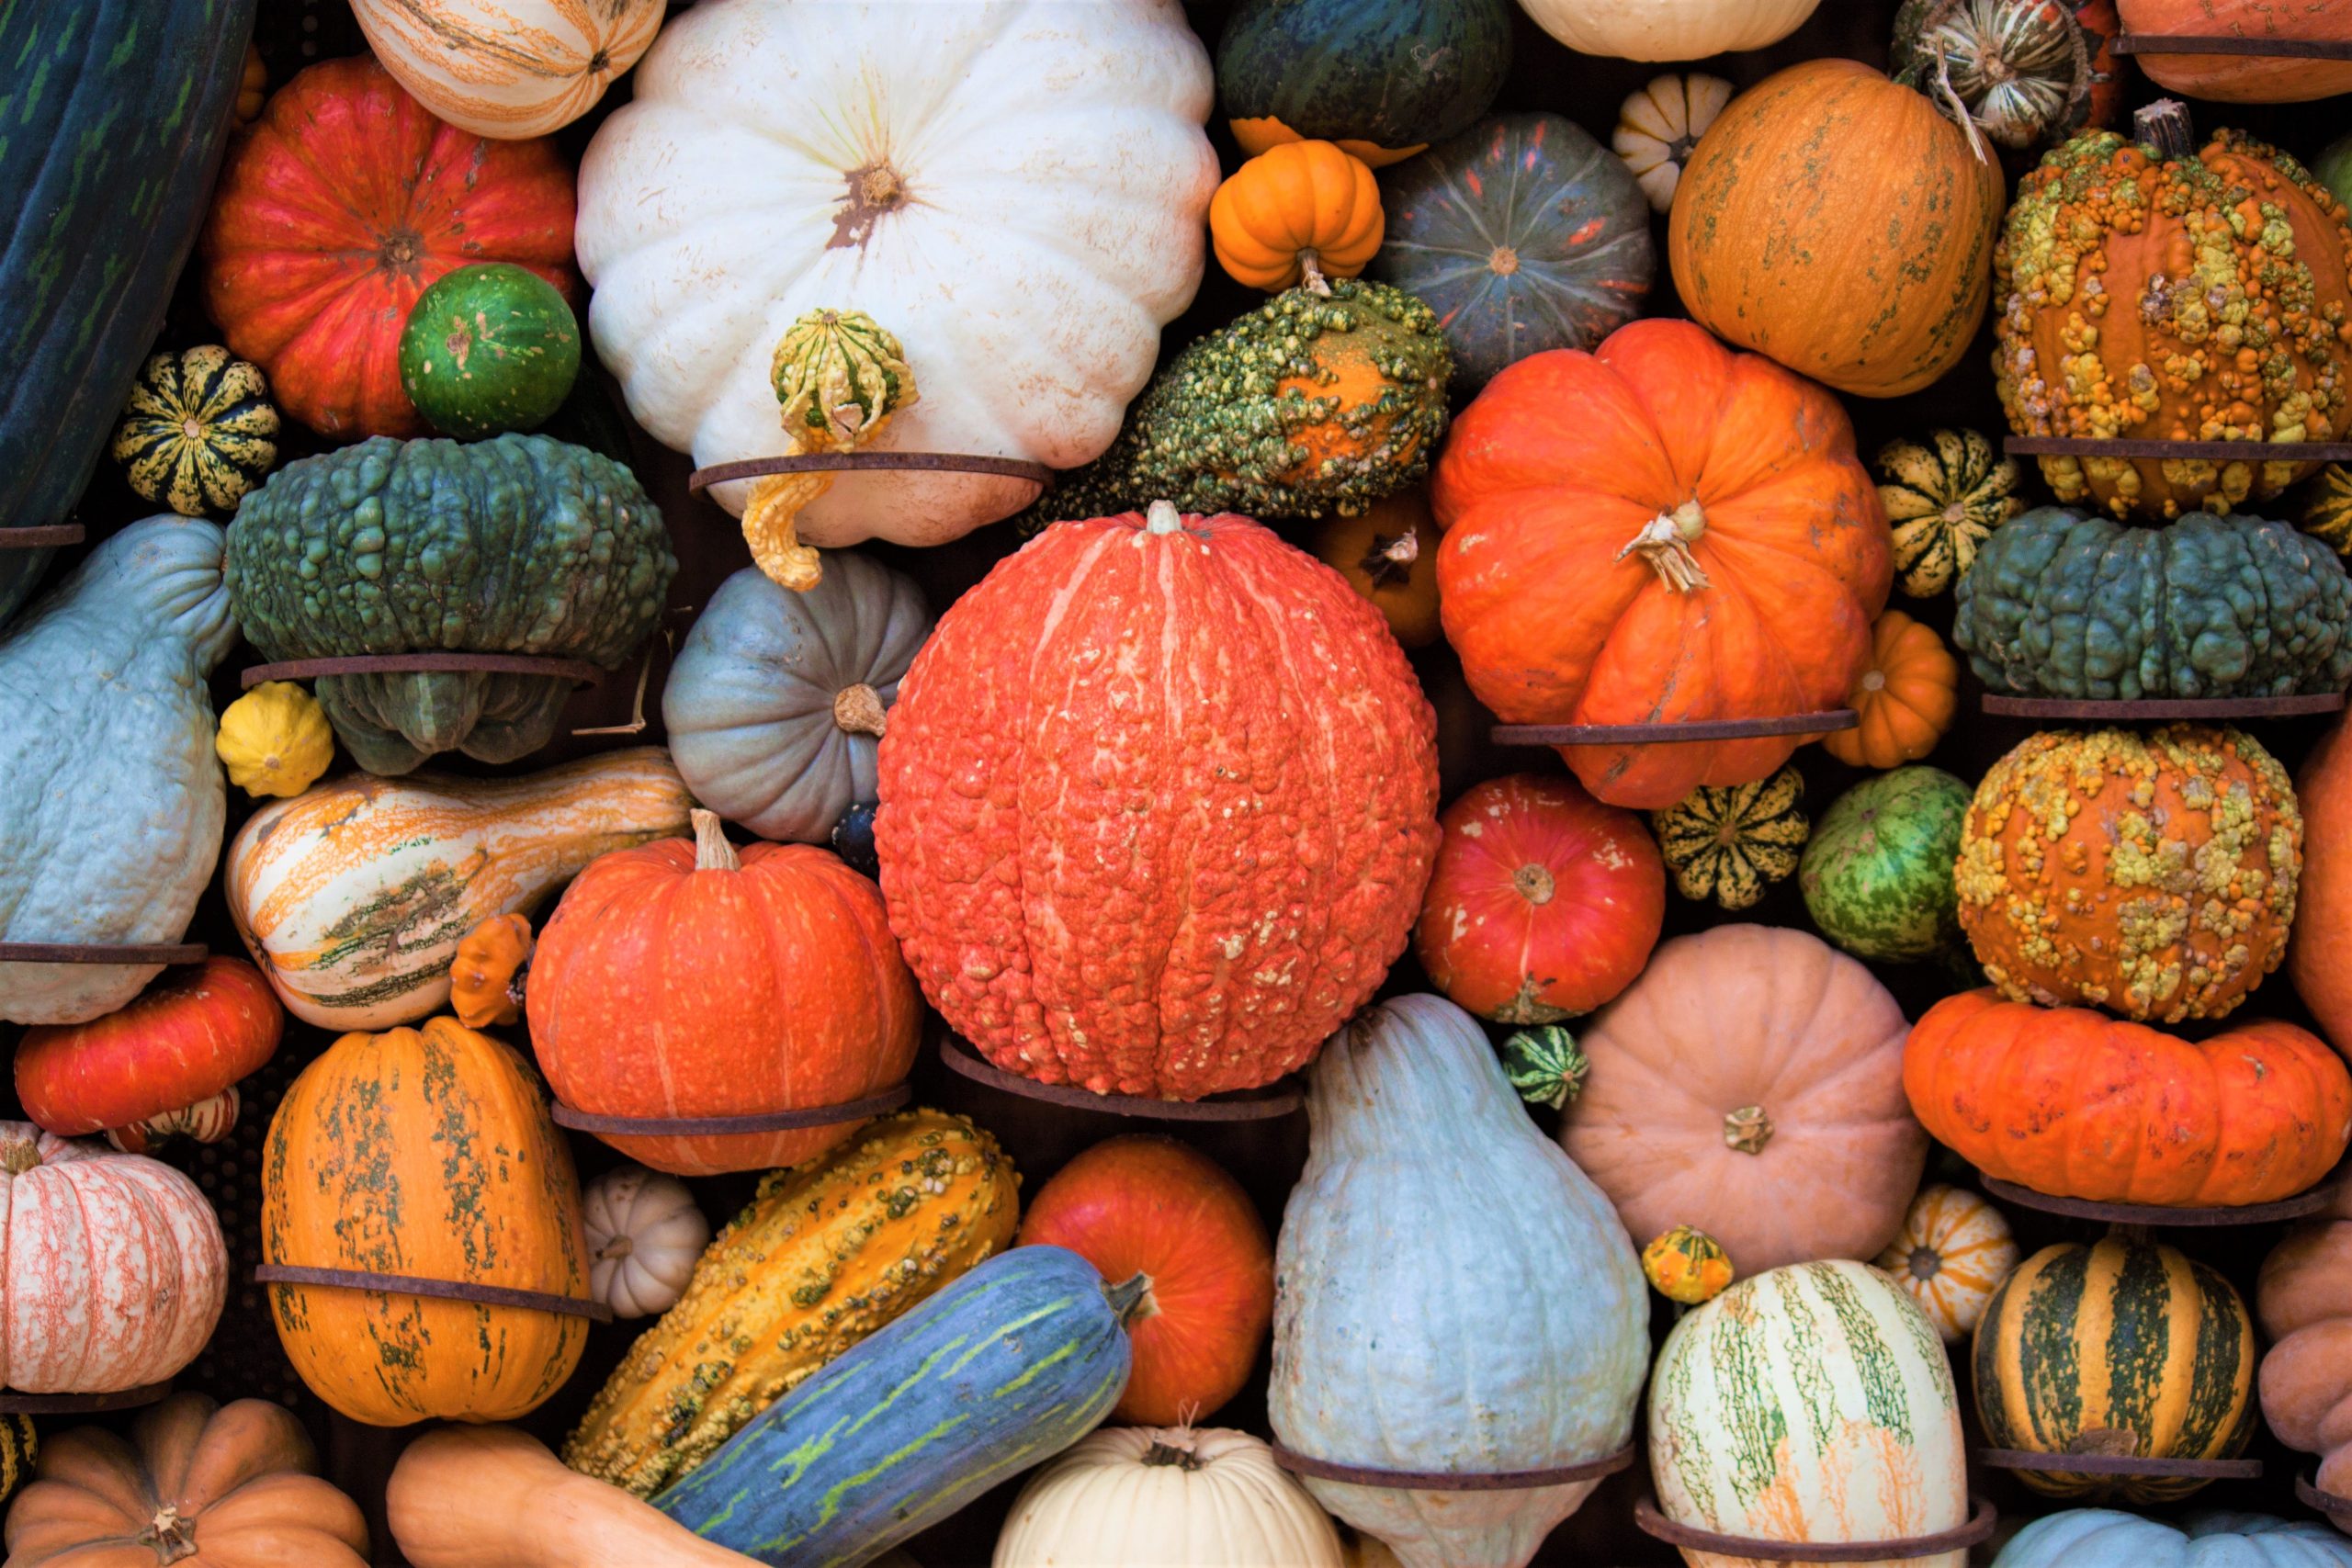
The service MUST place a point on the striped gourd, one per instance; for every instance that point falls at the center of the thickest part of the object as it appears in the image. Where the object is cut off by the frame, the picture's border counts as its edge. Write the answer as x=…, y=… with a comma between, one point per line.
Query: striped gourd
x=1001, y=1370
x=1811, y=1402
x=508, y=68
x=826, y=1254
x=199, y=431
x=1953, y=1250
x=354, y=895
x=2124, y=1346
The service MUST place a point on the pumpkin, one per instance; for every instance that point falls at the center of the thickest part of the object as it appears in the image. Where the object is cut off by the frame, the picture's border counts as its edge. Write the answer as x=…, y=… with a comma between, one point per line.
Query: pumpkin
x=1523, y=233
x=1687, y=1266
x=1659, y=531
x=2020, y=69
x=1658, y=128
x=1668, y=29
x=795, y=998
x=424, y=1153
x=1877, y=874
x=211, y=1120
x=2323, y=507
x=1545, y=1064
x=252, y=86
x=334, y=212
x=1183, y=1497
x=1543, y=903
x=1136, y=957
x=1905, y=698
x=644, y=1237
x=2152, y=874
x=2257, y=1112
x=1808, y=1403
x=778, y=701
x=1730, y=843
x=198, y=432
x=1152, y=1208
x=354, y=895
x=2306, y=1375
x=2106, y=217
x=1750, y=1083
x=486, y=977
x=1953, y=1249
x=1293, y=213
x=191, y=1035
x=1440, y=1249
x=1945, y=495
x=110, y=803
x=2103, y=1537
x=2243, y=78
x=275, y=740
x=862, y=174
x=824, y=1254
x=1388, y=552
x=1383, y=78
x=198, y=1485
x=2122, y=1346
x=2319, y=960
x=508, y=68
x=488, y=349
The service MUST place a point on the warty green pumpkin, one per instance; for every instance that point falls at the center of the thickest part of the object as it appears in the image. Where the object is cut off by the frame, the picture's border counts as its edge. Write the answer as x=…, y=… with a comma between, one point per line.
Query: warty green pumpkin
x=199, y=431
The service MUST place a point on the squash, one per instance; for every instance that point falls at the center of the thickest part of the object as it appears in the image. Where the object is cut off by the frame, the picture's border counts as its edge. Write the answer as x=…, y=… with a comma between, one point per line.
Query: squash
x=904, y=183
x=1877, y=874
x=1383, y=78
x=198, y=432
x=110, y=803
x=2152, y=874
x=824, y=1254
x=2323, y=508
x=778, y=701
x=2103, y=1537
x=1906, y=697
x=1523, y=233
x=644, y=1237
x=1137, y=959
x=1730, y=844
x=2122, y=1346
x=1945, y=495
x=1440, y=1249
x=2256, y=1112
x=1687, y=1266
x=1668, y=29
x=2319, y=959
x=1658, y=128
x=1659, y=531
x=2021, y=69
x=1293, y=213
x=341, y=206
x=1388, y=554
x=191, y=1035
x=424, y=1153
x=487, y=349
x=209, y=1121
x=1750, y=1083
x=486, y=977
x=252, y=86
x=198, y=1485
x=508, y=68
x=1543, y=903
x=2306, y=1315
x=354, y=895
x=19, y=1449
x=275, y=740
x=1953, y=1250
x=1183, y=1497
x=1151, y=1207
x=2240, y=78
x=1545, y=1064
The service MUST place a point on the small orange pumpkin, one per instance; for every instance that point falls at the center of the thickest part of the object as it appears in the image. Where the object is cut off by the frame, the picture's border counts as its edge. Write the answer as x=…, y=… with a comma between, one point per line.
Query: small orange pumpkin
x=486, y=977
x=1298, y=211
x=1388, y=554
x=1907, y=695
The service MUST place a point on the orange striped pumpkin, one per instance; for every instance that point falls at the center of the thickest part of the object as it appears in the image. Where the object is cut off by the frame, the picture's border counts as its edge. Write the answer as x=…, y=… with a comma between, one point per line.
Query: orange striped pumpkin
x=508, y=68
x=1954, y=1249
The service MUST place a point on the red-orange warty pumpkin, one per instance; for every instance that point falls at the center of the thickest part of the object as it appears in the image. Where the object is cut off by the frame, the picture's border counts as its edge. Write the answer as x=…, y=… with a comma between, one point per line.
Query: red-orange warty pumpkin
x=1659, y=531
x=1159, y=801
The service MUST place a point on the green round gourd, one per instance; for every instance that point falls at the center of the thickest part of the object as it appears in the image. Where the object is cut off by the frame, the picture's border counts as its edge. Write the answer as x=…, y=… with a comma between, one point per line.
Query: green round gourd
x=1730, y=843
x=1396, y=74
x=1545, y=1064
x=1877, y=876
x=198, y=432
x=489, y=349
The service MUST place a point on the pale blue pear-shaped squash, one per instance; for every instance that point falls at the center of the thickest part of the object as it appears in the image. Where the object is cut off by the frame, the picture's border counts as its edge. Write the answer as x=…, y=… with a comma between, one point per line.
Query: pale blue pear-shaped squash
x=2105, y=1537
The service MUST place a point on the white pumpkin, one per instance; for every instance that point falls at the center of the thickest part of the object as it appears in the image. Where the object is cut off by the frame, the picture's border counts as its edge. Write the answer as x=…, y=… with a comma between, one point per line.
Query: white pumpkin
x=644, y=1237
x=1658, y=129
x=508, y=68
x=1016, y=189
x=1162, y=1497
x=1668, y=29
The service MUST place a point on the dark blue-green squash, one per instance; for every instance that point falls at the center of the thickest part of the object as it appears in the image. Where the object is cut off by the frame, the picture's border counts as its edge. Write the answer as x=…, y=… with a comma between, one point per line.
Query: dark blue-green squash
x=1384, y=78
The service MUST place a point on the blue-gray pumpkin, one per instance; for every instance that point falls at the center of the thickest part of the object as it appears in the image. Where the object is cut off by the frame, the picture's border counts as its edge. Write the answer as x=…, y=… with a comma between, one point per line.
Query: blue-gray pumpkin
x=2104, y=1538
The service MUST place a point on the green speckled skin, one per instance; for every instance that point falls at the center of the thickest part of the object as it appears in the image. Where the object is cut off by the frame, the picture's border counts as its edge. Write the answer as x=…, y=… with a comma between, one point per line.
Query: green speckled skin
x=1878, y=873
x=1397, y=73
x=488, y=349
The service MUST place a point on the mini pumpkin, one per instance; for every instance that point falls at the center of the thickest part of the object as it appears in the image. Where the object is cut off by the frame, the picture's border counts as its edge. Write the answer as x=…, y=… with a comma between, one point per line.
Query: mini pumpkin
x=275, y=740
x=1298, y=213
x=1686, y=1265
x=1658, y=127
x=198, y=432
x=1954, y=1249
x=645, y=1236
x=2022, y=69
x=1730, y=843
x=1944, y=495
x=1905, y=697
x=1388, y=554
x=1545, y=1064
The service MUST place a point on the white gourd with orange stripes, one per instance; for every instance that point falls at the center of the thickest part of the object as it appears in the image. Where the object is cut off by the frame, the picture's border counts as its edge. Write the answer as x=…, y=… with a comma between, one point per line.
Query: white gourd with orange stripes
x=508, y=68
x=1953, y=1250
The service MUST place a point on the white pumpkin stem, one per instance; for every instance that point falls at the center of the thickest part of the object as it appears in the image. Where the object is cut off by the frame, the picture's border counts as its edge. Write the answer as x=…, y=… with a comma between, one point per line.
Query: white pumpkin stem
x=1310, y=272
x=859, y=710
x=712, y=852
x=1162, y=518
x=1176, y=1446
x=621, y=1245
x=1665, y=543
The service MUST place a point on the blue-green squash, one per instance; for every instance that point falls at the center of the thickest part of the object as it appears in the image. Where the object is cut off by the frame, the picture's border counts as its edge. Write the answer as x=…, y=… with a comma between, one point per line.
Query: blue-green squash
x=2104, y=1538
x=1000, y=1371
x=1383, y=78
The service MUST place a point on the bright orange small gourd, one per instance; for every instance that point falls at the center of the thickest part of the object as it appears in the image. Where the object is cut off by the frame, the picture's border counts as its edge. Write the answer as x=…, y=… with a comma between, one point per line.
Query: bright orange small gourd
x=1906, y=696
x=1300, y=210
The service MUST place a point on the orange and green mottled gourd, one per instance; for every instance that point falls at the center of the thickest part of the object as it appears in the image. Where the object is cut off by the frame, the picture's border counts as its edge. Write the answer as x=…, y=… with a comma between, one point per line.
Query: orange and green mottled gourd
x=426, y=1153
x=826, y=1254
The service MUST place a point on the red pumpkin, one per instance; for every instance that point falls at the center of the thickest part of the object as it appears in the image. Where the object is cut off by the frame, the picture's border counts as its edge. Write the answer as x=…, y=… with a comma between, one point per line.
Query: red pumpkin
x=341, y=204
x=1149, y=1205
x=1544, y=903
x=1157, y=803
x=686, y=979
x=191, y=1035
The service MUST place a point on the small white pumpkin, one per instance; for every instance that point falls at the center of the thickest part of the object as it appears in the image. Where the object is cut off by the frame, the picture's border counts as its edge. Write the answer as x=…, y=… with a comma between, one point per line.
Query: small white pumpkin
x=1658, y=128
x=1953, y=1251
x=508, y=68
x=1169, y=1497
x=1668, y=30
x=644, y=1237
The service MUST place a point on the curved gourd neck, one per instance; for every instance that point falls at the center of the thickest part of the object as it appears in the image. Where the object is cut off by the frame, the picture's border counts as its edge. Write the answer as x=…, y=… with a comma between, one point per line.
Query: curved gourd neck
x=150, y=599
x=1412, y=1074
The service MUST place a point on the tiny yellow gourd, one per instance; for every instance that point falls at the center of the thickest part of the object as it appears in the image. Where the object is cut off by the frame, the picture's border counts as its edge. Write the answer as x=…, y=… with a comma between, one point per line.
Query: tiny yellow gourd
x=275, y=740
x=1687, y=1265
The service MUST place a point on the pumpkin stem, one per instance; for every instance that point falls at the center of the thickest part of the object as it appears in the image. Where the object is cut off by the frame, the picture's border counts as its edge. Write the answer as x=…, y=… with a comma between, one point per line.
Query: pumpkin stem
x=20, y=1155
x=1162, y=518
x=2166, y=131
x=1174, y=1446
x=1747, y=1129
x=1131, y=1300
x=1310, y=272
x=712, y=852
x=858, y=709
x=1952, y=106
x=1534, y=883
x=619, y=1246
x=1389, y=561
x=1665, y=542
x=170, y=1536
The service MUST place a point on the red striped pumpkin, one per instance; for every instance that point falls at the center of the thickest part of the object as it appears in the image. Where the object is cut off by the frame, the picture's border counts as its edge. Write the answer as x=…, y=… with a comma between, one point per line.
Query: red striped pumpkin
x=188, y=1036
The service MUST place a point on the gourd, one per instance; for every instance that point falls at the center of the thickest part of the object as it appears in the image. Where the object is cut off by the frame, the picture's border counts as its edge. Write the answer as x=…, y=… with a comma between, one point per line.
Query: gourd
x=1440, y=1248
x=521, y=545
x=2103, y=1537
x=1543, y=903
x=198, y=431
x=2319, y=959
x=198, y=1485
x=1388, y=552
x=354, y=895
x=490, y=971
x=1877, y=874
x=1615, y=554
x=20, y=1447
x=1153, y=1208
x=2123, y=1346
x=1185, y=1497
x=2256, y=1112
x=275, y=740
x=776, y=702
x=1658, y=128
x=1383, y=78
x=2021, y=69
x=2240, y=78
x=2306, y=1375
x=2107, y=217
x=1138, y=960
x=340, y=206
x=905, y=183
x=2323, y=507
x=823, y=1255
x=1953, y=1250
x=110, y=803
x=795, y=997
x=1945, y=495
x=424, y=1153
x=1668, y=29
x=190, y=1035
x=508, y=68
x=1687, y=1266
x=1293, y=213
x=2152, y=874
x=211, y=1120
x=1545, y=1064
x=1750, y=1083
x=1523, y=233
x=1730, y=844
x=489, y=348
x=644, y=1237
x=2061, y=604
x=1905, y=697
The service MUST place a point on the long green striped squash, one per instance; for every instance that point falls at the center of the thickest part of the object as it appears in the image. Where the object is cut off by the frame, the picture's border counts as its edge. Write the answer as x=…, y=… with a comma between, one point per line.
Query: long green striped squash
x=1001, y=1370
x=2125, y=1346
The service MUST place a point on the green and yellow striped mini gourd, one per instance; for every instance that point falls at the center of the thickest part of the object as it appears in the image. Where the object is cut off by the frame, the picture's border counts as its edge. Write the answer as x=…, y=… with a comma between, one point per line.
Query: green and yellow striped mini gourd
x=198, y=432
x=1730, y=843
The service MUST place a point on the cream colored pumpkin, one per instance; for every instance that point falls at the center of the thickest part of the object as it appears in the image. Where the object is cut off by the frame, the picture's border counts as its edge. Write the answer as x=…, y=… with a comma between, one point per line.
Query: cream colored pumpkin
x=645, y=1236
x=1160, y=1497
x=508, y=68
x=1668, y=29
x=1019, y=199
x=1953, y=1250
x=1659, y=127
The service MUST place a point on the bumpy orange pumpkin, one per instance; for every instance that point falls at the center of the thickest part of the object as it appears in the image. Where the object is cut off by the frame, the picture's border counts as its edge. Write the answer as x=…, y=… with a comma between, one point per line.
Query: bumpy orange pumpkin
x=1300, y=210
x=1906, y=696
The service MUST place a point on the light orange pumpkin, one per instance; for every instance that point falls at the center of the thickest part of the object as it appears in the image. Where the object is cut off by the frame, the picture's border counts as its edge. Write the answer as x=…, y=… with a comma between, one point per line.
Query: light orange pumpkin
x=1298, y=211
x=1906, y=697
x=2304, y=1299
x=1953, y=1251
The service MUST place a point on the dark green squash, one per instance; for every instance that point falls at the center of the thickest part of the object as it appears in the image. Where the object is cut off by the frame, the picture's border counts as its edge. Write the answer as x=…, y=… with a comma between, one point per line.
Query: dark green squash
x=199, y=431
x=1384, y=78
x=489, y=348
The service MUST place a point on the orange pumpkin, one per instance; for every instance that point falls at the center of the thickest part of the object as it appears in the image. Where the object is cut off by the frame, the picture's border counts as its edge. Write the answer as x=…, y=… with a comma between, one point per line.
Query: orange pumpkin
x=1298, y=211
x=1388, y=554
x=1659, y=531
x=2320, y=958
x=1907, y=695
x=2245, y=78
